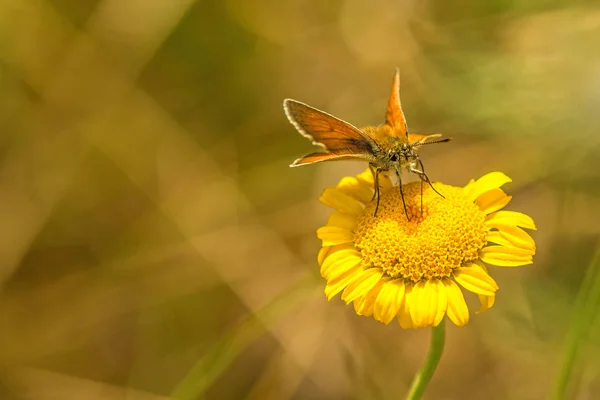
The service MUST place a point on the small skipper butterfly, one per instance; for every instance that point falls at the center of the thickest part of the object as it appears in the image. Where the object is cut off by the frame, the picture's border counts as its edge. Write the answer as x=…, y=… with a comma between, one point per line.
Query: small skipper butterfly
x=385, y=147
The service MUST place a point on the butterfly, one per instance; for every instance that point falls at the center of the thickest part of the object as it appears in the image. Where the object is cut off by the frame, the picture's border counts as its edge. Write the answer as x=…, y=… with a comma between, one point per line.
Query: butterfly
x=385, y=147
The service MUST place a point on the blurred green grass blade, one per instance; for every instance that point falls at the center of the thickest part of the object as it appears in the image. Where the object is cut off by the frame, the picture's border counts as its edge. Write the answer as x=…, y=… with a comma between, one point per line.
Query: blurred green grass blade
x=208, y=369
x=584, y=313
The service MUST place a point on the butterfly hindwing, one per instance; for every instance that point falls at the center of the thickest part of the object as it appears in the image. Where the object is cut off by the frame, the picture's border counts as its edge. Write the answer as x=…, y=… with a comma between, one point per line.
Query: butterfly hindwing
x=417, y=139
x=318, y=157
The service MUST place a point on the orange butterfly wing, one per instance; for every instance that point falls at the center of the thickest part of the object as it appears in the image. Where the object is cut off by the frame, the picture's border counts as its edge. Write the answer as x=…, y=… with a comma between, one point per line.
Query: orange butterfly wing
x=340, y=139
x=419, y=139
x=318, y=157
x=414, y=137
x=394, y=117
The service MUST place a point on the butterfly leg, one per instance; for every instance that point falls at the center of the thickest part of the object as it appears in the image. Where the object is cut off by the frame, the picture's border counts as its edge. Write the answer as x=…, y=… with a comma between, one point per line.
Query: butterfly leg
x=399, y=175
x=376, y=188
x=375, y=180
x=421, y=197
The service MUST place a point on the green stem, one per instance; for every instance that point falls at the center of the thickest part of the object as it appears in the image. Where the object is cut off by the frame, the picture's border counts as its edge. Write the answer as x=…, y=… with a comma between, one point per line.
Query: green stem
x=584, y=312
x=436, y=348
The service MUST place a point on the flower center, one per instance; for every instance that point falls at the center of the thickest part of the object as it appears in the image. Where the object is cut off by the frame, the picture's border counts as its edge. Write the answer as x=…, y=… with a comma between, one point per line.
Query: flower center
x=449, y=232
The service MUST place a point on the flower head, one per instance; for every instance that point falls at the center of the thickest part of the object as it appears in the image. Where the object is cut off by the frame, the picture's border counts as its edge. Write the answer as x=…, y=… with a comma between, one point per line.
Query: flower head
x=390, y=267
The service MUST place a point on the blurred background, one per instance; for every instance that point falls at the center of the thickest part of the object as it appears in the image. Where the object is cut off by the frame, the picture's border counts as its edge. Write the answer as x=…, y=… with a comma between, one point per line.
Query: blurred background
x=151, y=226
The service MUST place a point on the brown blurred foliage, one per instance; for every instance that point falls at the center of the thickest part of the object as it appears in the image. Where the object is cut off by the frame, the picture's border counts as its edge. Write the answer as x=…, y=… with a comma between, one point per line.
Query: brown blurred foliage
x=147, y=205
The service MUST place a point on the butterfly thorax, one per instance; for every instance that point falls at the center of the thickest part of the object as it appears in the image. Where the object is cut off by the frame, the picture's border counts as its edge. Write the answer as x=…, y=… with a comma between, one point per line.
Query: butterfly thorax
x=394, y=150
x=385, y=135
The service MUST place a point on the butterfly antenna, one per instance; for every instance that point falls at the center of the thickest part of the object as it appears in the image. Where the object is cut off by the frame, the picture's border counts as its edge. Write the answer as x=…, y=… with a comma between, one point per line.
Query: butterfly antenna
x=421, y=198
x=444, y=140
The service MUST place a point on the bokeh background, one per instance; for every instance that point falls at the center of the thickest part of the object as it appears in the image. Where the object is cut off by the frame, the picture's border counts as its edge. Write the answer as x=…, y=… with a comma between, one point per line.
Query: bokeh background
x=150, y=225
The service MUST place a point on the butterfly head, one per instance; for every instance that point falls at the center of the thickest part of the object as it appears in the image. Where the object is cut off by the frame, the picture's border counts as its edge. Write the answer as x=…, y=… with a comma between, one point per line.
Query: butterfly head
x=401, y=155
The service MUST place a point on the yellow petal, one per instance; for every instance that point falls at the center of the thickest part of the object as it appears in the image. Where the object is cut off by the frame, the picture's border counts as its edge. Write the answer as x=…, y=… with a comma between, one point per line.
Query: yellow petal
x=323, y=253
x=334, y=286
x=506, y=256
x=442, y=304
x=503, y=219
x=339, y=262
x=518, y=237
x=488, y=182
x=366, y=177
x=334, y=198
x=472, y=277
x=404, y=318
x=469, y=186
x=457, y=310
x=492, y=201
x=327, y=250
x=353, y=187
x=510, y=251
x=507, y=263
x=364, y=282
x=486, y=302
x=429, y=303
x=389, y=300
x=416, y=314
x=364, y=305
x=513, y=237
x=496, y=237
x=481, y=265
x=342, y=220
x=332, y=235
x=420, y=309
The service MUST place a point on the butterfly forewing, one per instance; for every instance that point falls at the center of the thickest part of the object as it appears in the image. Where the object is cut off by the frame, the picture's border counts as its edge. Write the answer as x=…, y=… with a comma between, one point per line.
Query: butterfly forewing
x=340, y=139
x=394, y=117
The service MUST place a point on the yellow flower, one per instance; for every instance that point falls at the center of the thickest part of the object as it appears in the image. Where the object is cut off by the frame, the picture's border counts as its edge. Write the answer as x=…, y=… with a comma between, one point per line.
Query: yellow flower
x=411, y=270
